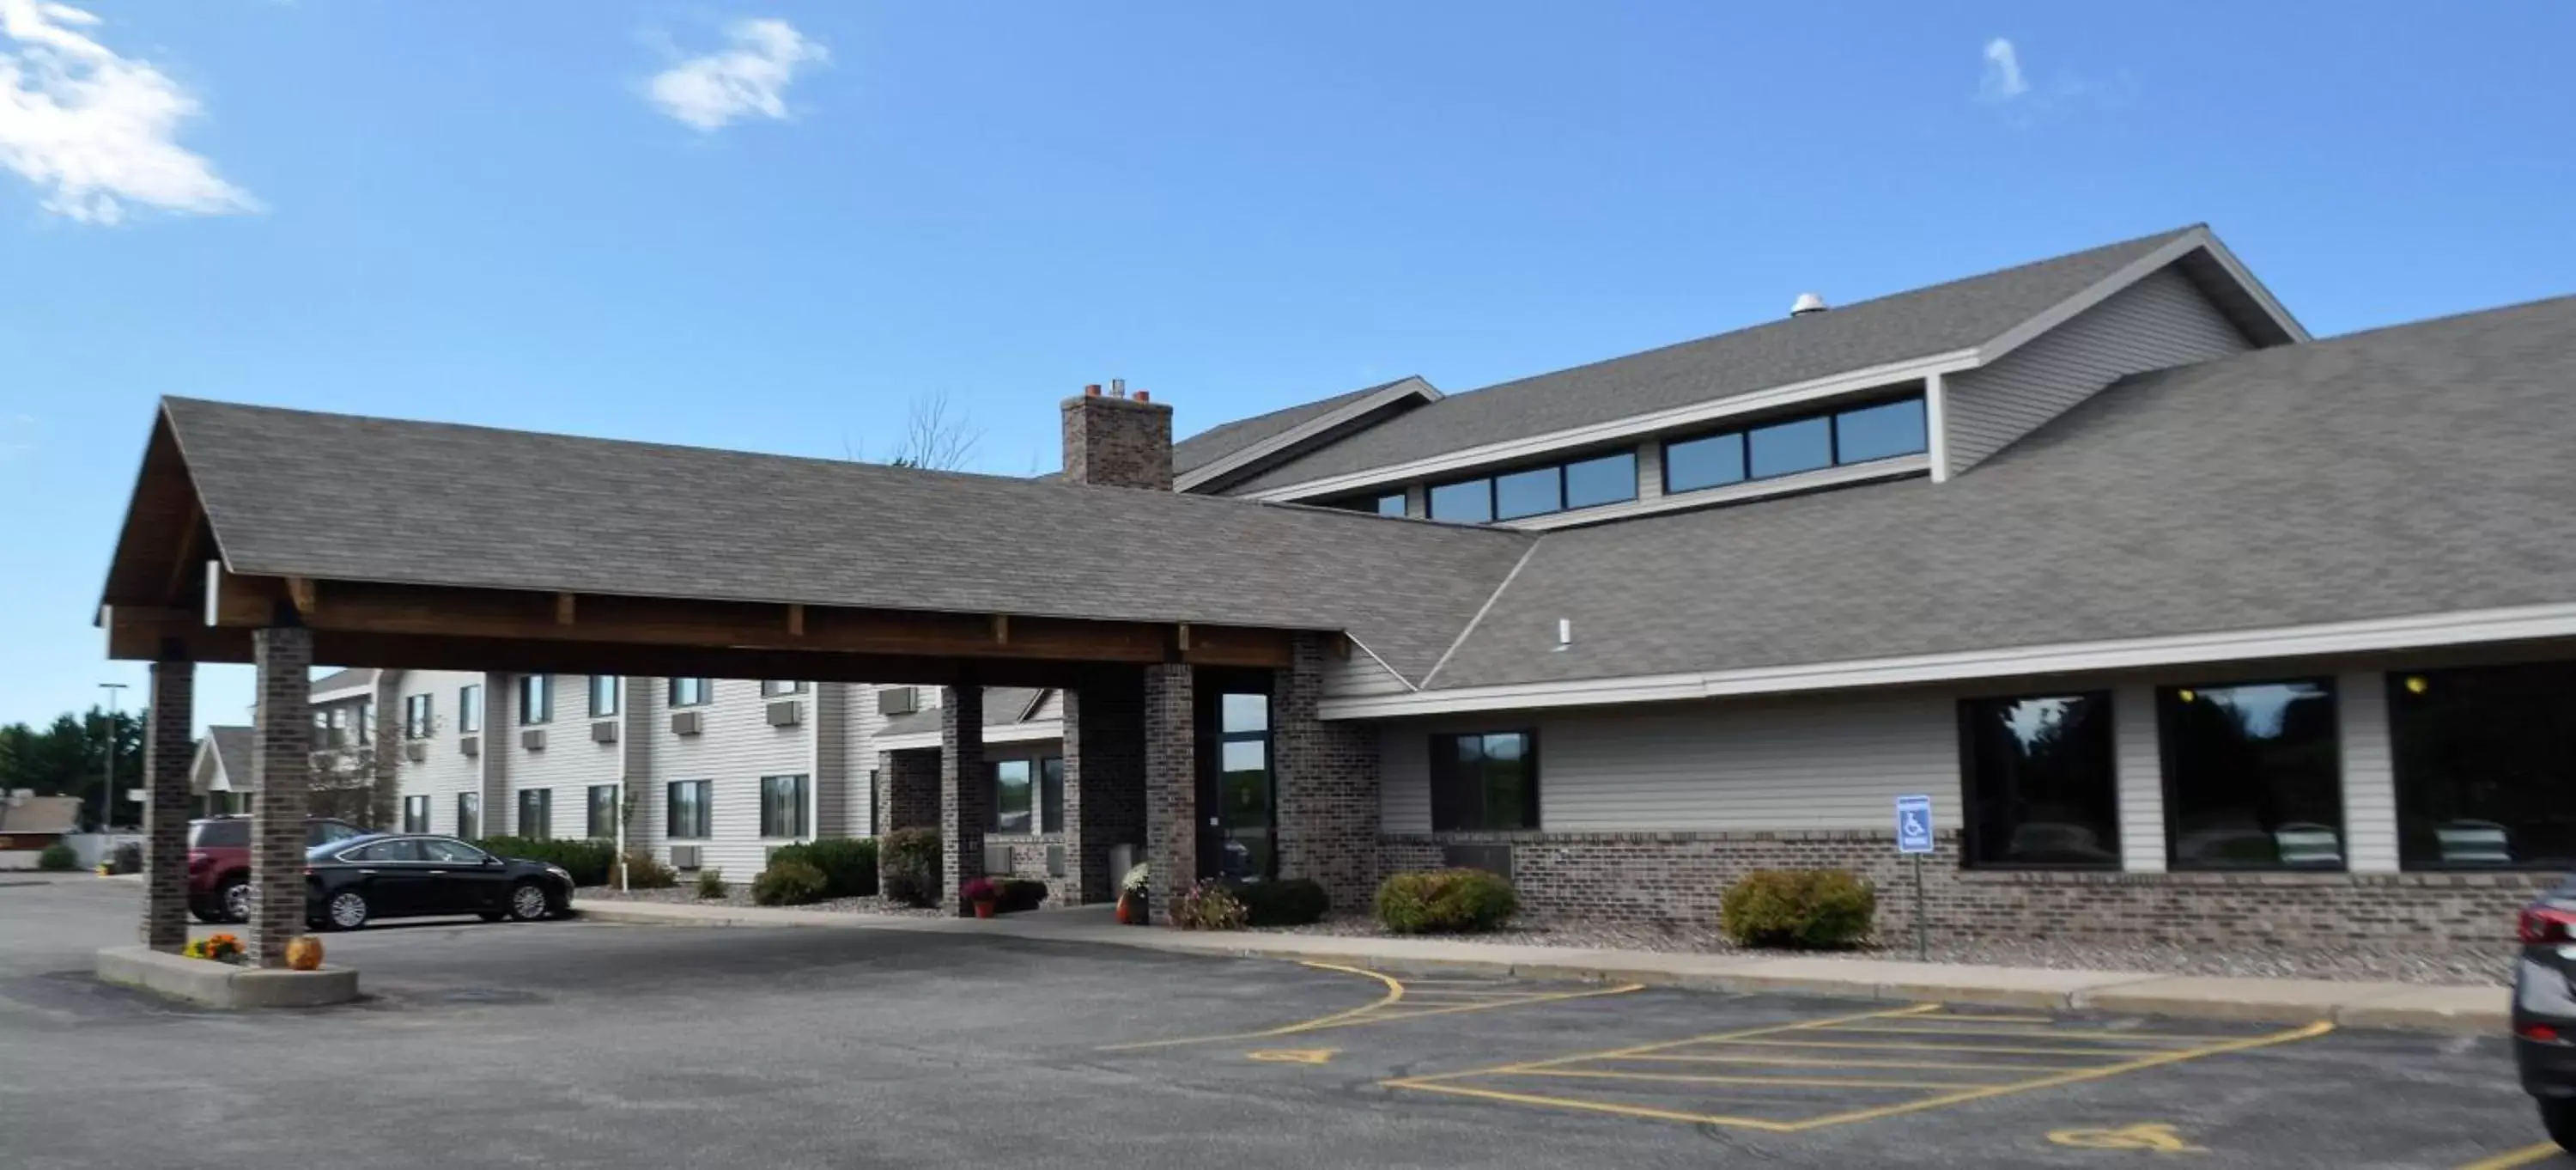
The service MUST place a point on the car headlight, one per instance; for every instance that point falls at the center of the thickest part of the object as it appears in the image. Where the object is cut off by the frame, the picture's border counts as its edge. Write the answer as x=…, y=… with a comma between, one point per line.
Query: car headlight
x=560, y=872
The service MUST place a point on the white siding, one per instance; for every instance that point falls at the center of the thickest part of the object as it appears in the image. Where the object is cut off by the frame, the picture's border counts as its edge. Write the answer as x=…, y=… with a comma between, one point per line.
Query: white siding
x=737, y=748
x=2139, y=765
x=2369, y=772
x=2161, y=321
x=446, y=771
x=568, y=765
x=862, y=730
x=1359, y=673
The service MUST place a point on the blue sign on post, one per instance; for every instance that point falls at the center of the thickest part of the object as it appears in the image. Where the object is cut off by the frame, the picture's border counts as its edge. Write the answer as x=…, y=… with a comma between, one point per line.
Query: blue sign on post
x=1914, y=824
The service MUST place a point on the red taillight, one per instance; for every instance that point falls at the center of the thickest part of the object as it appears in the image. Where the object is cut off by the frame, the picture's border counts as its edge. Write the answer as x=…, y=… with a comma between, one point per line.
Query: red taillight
x=2540, y=1032
x=197, y=862
x=2546, y=924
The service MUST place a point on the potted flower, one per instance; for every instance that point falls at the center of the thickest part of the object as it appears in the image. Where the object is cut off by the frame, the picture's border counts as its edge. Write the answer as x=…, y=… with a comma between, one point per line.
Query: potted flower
x=220, y=948
x=984, y=894
x=1131, y=896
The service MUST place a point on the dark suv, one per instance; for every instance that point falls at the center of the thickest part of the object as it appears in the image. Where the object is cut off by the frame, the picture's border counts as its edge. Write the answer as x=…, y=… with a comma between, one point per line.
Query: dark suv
x=2544, y=1010
x=219, y=863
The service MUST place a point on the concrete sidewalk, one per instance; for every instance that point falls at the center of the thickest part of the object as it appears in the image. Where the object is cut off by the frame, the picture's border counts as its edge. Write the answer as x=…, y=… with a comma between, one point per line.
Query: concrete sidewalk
x=2411, y=1006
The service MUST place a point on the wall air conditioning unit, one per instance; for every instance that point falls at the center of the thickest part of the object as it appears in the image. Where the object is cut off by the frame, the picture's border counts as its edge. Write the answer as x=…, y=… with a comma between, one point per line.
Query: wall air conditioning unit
x=997, y=858
x=898, y=700
x=604, y=732
x=471, y=745
x=416, y=752
x=684, y=857
x=688, y=722
x=533, y=739
x=786, y=713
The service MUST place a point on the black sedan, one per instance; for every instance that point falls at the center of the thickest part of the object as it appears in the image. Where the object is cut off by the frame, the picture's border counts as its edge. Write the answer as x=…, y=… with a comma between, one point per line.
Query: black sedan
x=351, y=883
x=2544, y=1010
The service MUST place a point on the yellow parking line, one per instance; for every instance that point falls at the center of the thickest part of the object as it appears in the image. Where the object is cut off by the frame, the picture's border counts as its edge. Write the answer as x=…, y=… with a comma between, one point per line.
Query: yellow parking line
x=1992, y=1019
x=2046, y=1033
x=2077, y=1076
x=1890, y=1046
x=1376, y=1013
x=1687, y=1079
x=1610, y=1107
x=1616, y=1053
x=2512, y=1158
x=1855, y=1062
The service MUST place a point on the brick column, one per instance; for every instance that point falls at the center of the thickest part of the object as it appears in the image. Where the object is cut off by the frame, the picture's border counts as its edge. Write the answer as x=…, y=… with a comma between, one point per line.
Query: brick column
x=282, y=770
x=1104, y=776
x=965, y=792
x=1327, y=784
x=1171, y=782
x=168, y=750
x=908, y=791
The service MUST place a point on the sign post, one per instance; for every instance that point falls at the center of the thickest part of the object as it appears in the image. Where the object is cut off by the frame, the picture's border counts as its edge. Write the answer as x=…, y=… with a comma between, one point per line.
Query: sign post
x=1914, y=839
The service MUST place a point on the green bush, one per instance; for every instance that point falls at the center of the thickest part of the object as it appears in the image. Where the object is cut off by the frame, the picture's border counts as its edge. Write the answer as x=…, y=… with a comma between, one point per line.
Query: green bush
x=711, y=885
x=912, y=866
x=57, y=856
x=646, y=872
x=591, y=862
x=1798, y=908
x=849, y=864
x=1294, y=902
x=788, y=883
x=1446, y=901
x=1208, y=906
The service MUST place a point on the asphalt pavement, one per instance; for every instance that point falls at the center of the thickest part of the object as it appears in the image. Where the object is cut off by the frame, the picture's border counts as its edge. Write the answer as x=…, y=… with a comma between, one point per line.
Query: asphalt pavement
x=586, y=1044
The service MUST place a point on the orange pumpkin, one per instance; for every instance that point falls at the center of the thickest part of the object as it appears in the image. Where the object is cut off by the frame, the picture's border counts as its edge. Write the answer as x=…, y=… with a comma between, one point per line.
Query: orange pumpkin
x=303, y=952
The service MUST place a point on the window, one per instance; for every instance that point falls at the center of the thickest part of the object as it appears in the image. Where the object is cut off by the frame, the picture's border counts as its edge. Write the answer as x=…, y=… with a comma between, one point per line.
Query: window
x=324, y=832
x=1537, y=491
x=1245, y=793
x=604, y=692
x=415, y=814
x=685, y=816
x=400, y=849
x=365, y=722
x=469, y=710
x=469, y=814
x=1382, y=504
x=419, y=721
x=537, y=814
x=1484, y=782
x=782, y=806
x=2484, y=755
x=536, y=698
x=1051, y=794
x=1863, y=434
x=334, y=724
x=1011, y=795
x=692, y=692
x=2040, y=786
x=602, y=821
x=771, y=688
x=1390, y=504
x=444, y=851
x=2252, y=775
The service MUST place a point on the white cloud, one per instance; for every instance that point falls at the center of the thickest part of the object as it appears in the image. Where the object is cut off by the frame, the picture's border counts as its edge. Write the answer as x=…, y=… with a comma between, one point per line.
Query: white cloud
x=2002, y=80
x=748, y=79
x=93, y=129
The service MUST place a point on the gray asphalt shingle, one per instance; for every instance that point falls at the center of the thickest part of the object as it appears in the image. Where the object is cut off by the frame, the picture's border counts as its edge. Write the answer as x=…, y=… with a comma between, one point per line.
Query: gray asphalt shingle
x=1226, y=438
x=1002, y=707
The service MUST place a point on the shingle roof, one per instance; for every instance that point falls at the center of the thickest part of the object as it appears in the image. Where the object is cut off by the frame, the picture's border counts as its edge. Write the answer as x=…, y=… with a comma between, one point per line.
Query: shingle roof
x=344, y=679
x=609, y=517
x=1917, y=324
x=2410, y=470
x=232, y=752
x=1225, y=439
x=1002, y=708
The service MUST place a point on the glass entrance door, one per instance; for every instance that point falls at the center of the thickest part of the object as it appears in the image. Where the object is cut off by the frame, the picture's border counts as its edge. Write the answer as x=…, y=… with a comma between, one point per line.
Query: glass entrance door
x=1236, y=817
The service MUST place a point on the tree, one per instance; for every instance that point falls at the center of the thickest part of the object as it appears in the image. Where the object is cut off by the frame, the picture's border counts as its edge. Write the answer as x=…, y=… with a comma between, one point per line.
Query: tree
x=935, y=437
x=361, y=781
x=69, y=758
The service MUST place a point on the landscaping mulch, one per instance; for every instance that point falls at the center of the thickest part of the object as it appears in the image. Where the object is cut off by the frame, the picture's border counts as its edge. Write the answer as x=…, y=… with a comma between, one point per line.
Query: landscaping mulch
x=740, y=895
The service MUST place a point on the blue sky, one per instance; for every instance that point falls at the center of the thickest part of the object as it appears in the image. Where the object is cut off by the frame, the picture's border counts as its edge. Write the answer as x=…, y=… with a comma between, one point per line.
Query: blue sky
x=772, y=226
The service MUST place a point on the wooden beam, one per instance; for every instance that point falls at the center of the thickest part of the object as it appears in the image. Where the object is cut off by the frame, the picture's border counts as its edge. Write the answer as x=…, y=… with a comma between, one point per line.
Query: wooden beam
x=1185, y=637
x=189, y=557
x=305, y=593
x=796, y=619
x=1341, y=644
x=1001, y=629
x=563, y=609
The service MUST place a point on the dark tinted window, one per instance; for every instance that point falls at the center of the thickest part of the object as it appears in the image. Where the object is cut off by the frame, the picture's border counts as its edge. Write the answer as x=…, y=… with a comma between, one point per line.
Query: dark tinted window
x=1484, y=782
x=398, y=850
x=1051, y=794
x=1783, y=448
x=2486, y=763
x=2040, y=787
x=452, y=852
x=324, y=832
x=2253, y=778
x=219, y=835
x=1011, y=794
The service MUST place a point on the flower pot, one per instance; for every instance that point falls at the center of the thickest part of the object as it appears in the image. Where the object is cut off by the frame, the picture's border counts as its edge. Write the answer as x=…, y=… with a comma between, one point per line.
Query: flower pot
x=303, y=953
x=984, y=909
x=1131, y=910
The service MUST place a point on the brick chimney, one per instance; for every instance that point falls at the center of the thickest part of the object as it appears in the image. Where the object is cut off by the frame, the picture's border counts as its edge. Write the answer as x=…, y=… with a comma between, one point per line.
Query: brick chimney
x=1113, y=440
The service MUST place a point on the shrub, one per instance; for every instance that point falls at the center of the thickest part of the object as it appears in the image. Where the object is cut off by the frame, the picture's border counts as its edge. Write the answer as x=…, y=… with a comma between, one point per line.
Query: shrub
x=57, y=856
x=849, y=864
x=1294, y=902
x=711, y=885
x=645, y=872
x=128, y=858
x=1444, y=901
x=1021, y=894
x=1798, y=908
x=590, y=862
x=982, y=889
x=788, y=883
x=1208, y=906
x=912, y=866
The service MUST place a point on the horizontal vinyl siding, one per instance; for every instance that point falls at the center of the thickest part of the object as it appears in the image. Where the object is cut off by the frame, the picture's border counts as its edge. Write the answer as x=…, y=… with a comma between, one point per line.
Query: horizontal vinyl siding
x=735, y=750
x=568, y=765
x=2159, y=322
x=447, y=771
x=2369, y=772
x=860, y=809
x=2137, y=763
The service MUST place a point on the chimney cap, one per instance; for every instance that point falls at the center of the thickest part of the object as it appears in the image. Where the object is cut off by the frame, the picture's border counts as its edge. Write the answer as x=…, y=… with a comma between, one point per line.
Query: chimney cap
x=1806, y=303
x=1091, y=391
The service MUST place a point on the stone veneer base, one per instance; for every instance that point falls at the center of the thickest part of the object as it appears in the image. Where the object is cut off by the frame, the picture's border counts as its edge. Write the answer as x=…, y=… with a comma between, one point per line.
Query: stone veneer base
x=222, y=984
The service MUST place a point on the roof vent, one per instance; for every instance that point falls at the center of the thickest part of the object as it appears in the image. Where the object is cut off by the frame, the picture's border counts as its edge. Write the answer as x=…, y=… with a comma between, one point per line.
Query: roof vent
x=1806, y=303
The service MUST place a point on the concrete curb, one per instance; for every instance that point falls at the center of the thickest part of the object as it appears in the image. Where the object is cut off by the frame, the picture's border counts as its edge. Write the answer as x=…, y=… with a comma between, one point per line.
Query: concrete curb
x=222, y=984
x=2400, y=1006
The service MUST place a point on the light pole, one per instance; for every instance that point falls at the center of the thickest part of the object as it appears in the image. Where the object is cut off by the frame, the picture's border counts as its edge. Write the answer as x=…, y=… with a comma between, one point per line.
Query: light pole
x=107, y=799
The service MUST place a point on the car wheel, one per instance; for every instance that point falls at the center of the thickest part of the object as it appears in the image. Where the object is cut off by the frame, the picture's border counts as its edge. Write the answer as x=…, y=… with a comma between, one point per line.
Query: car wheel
x=2558, y=1116
x=347, y=910
x=529, y=902
x=232, y=900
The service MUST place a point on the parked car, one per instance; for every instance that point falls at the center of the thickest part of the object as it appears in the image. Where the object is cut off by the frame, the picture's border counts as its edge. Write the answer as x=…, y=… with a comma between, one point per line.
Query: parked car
x=2544, y=1010
x=219, y=862
x=351, y=883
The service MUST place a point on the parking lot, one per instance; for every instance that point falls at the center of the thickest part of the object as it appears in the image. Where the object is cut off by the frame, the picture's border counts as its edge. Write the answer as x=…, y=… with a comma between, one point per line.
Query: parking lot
x=582, y=1044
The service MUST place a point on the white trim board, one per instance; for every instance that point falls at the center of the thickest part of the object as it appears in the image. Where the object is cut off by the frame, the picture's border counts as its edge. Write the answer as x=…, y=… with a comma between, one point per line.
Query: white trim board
x=1035, y=729
x=1893, y=467
x=2465, y=627
x=1391, y=393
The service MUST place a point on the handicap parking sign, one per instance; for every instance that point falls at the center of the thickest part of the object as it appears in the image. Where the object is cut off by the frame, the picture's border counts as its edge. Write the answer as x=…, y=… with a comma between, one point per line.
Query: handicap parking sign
x=1914, y=824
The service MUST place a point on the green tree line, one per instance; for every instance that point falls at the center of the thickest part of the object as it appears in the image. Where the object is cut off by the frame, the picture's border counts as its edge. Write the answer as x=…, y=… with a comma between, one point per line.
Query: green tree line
x=69, y=758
